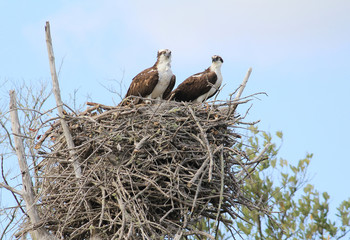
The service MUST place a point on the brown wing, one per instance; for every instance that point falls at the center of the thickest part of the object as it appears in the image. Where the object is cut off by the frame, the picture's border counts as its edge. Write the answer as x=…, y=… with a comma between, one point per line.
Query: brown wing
x=194, y=86
x=170, y=87
x=143, y=83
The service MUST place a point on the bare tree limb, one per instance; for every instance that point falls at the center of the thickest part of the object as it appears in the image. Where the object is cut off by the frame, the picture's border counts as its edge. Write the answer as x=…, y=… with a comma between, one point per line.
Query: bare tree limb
x=255, y=160
x=13, y=215
x=243, y=84
x=11, y=189
x=8, y=134
x=207, y=235
x=241, y=88
x=28, y=191
x=56, y=91
x=5, y=181
x=258, y=158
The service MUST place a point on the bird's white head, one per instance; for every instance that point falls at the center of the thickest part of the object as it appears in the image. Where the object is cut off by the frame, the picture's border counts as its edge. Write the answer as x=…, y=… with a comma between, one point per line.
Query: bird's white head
x=217, y=61
x=164, y=55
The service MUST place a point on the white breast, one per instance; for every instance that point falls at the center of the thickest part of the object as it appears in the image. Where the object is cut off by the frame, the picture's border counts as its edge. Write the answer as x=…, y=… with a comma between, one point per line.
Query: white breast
x=216, y=86
x=217, y=69
x=165, y=74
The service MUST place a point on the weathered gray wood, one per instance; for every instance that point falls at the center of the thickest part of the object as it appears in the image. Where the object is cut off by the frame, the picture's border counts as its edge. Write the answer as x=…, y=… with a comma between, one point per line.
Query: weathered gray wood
x=28, y=191
x=59, y=103
x=243, y=84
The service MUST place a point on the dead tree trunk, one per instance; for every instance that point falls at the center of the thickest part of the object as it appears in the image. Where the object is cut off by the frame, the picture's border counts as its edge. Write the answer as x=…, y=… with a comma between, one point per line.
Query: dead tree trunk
x=73, y=157
x=28, y=191
x=59, y=103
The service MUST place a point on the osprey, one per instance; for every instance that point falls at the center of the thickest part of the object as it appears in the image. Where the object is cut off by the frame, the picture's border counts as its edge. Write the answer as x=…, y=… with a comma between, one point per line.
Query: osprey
x=201, y=86
x=155, y=82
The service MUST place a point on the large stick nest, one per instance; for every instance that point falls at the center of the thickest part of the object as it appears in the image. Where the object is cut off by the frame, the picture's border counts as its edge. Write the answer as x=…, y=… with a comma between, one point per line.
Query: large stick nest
x=148, y=171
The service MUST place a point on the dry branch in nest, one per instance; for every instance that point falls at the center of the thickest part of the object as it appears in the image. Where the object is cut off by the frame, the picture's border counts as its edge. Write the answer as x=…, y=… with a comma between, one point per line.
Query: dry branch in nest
x=148, y=171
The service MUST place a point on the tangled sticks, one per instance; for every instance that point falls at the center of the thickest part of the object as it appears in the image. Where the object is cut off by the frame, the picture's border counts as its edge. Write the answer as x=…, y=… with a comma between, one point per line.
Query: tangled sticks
x=148, y=171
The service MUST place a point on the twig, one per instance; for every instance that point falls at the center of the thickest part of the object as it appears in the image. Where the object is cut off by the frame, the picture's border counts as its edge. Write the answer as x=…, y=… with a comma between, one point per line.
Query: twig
x=8, y=135
x=12, y=192
x=140, y=144
x=11, y=189
x=194, y=204
x=255, y=160
x=103, y=205
x=205, y=139
x=9, y=223
x=221, y=186
x=207, y=235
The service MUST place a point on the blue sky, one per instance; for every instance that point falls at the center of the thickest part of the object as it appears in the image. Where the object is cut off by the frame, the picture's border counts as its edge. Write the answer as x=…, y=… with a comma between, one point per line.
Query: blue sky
x=299, y=51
